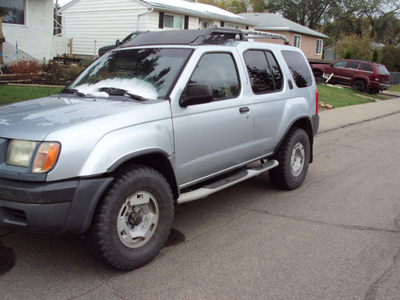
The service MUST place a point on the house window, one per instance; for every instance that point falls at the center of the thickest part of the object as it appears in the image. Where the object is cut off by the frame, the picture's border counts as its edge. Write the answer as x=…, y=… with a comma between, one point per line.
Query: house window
x=16, y=13
x=297, y=41
x=318, y=51
x=234, y=26
x=173, y=22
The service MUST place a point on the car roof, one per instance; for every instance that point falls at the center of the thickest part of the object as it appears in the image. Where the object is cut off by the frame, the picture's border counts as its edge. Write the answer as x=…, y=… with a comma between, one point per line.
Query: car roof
x=212, y=35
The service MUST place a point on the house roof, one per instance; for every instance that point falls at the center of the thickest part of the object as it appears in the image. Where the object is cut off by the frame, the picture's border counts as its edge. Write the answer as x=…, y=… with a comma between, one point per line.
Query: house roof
x=273, y=22
x=189, y=8
x=198, y=9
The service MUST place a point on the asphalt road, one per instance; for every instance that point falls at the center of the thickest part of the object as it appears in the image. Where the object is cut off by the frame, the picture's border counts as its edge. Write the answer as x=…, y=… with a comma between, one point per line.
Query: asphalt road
x=336, y=237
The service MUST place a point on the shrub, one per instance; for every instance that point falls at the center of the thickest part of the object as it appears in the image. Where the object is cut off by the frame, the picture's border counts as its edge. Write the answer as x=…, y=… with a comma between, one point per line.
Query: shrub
x=72, y=72
x=391, y=58
x=28, y=69
x=54, y=72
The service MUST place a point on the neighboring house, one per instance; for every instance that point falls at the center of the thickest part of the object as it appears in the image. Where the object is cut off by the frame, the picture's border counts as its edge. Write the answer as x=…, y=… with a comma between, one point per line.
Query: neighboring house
x=93, y=23
x=30, y=24
x=308, y=40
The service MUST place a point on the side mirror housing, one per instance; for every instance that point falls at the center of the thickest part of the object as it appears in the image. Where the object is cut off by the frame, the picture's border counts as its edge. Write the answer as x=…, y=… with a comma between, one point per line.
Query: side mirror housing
x=117, y=43
x=196, y=93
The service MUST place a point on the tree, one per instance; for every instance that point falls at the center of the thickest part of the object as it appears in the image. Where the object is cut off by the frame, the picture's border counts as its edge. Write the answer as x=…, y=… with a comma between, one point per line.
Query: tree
x=309, y=13
x=355, y=46
x=387, y=29
x=391, y=58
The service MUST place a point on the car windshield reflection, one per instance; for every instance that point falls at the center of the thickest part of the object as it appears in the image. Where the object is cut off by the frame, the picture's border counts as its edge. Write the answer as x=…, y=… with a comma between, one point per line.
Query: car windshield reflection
x=148, y=73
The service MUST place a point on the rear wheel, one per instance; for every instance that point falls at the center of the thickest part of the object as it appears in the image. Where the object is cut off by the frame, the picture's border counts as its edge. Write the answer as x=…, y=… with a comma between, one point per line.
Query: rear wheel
x=293, y=158
x=133, y=219
x=359, y=86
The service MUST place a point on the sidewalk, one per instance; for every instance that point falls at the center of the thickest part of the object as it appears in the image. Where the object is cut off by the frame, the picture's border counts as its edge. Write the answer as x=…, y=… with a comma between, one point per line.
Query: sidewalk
x=344, y=116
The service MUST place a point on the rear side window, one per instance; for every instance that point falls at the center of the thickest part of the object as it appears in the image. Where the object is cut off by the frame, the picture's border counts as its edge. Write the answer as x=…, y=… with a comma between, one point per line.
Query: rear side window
x=299, y=68
x=353, y=65
x=366, y=67
x=264, y=72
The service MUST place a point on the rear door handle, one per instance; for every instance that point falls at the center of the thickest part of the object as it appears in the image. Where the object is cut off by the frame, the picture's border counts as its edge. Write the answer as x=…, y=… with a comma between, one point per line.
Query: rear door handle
x=244, y=110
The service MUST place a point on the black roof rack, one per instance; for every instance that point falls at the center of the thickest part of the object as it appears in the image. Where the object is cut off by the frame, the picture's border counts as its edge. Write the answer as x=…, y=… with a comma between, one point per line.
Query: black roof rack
x=211, y=35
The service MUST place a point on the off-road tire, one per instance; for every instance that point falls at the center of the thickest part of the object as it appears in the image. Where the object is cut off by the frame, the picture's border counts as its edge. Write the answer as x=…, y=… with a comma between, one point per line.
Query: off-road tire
x=293, y=157
x=104, y=239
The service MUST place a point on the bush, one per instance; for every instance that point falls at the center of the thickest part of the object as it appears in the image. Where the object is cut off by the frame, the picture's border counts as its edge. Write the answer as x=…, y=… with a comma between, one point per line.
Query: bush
x=27, y=69
x=72, y=72
x=354, y=46
x=391, y=58
x=53, y=72
x=59, y=74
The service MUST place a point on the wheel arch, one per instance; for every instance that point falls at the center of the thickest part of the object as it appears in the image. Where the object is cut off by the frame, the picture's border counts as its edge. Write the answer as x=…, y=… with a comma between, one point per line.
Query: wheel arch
x=155, y=159
x=305, y=124
x=364, y=79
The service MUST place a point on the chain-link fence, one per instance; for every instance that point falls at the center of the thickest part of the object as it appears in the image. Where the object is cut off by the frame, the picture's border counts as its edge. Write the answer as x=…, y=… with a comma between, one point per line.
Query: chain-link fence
x=395, y=78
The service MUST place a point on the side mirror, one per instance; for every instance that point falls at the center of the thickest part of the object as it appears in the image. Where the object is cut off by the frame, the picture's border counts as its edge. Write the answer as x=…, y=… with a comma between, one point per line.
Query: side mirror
x=117, y=43
x=196, y=93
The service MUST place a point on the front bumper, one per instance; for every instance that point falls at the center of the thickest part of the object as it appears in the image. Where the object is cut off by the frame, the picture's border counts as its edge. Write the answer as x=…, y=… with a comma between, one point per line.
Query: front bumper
x=60, y=207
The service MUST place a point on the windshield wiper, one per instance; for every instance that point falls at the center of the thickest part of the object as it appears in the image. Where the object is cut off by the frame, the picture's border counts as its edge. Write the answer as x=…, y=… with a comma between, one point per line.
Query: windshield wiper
x=72, y=91
x=120, y=92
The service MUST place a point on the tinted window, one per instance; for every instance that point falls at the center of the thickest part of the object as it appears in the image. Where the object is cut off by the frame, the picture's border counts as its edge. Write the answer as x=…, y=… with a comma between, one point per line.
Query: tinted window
x=264, y=72
x=353, y=65
x=340, y=64
x=367, y=67
x=276, y=71
x=218, y=70
x=299, y=68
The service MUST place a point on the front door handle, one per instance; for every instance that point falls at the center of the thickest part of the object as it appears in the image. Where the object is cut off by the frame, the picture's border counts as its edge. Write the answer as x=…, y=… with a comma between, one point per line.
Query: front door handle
x=243, y=110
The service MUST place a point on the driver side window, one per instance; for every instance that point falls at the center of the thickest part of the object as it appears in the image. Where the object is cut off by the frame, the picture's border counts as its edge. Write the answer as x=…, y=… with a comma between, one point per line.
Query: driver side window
x=219, y=71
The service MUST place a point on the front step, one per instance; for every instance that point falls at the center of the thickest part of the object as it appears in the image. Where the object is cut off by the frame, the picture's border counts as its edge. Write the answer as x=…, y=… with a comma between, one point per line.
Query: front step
x=226, y=182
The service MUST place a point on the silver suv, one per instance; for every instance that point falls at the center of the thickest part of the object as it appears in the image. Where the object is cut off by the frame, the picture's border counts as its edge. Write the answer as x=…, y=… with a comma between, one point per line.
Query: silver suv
x=170, y=117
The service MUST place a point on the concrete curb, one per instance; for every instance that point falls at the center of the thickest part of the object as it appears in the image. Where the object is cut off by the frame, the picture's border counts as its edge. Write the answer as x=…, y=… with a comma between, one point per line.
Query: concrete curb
x=350, y=115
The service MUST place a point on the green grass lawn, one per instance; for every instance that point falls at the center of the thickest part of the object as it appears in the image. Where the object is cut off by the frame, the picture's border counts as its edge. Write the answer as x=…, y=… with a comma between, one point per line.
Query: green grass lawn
x=395, y=88
x=340, y=97
x=11, y=94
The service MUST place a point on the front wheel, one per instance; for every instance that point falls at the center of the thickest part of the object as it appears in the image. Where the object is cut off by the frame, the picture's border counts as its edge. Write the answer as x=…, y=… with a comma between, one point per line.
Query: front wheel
x=293, y=157
x=133, y=219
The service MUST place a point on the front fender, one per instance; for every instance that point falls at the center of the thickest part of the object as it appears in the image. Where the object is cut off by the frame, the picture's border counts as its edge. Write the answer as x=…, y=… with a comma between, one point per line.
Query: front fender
x=127, y=143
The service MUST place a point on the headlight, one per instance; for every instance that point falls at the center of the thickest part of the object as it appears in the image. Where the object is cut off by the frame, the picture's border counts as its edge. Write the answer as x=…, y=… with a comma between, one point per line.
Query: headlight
x=20, y=153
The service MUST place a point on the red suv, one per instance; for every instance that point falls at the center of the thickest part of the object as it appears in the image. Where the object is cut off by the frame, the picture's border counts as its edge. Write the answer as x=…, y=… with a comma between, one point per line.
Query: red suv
x=364, y=76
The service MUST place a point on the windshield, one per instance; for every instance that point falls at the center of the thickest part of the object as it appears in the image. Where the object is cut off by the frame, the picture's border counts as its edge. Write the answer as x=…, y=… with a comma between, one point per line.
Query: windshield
x=148, y=72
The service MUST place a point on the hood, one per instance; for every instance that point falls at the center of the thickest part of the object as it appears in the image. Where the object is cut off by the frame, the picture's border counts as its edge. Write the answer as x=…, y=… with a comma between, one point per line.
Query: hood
x=35, y=119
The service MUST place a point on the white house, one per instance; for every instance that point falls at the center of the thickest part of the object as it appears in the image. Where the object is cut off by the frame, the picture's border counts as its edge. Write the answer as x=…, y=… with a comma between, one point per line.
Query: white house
x=29, y=24
x=96, y=23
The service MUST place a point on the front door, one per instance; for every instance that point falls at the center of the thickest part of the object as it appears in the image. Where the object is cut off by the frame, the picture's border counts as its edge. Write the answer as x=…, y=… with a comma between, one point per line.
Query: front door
x=215, y=136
